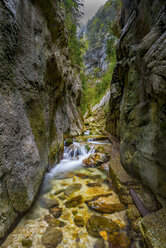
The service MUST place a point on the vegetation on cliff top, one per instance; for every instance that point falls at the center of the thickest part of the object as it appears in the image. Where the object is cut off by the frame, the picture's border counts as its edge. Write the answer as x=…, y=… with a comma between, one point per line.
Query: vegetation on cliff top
x=101, y=39
x=99, y=28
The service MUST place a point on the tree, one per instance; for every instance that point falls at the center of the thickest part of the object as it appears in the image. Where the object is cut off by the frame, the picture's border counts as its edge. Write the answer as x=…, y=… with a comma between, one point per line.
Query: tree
x=73, y=14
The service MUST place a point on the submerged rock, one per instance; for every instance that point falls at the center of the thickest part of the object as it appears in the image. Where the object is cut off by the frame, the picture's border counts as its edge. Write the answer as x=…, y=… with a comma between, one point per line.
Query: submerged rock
x=95, y=160
x=52, y=237
x=59, y=191
x=91, y=185
x=53, y=222
x=74, y=202
x=94, y=177
x=119, y=240
x=96, y=224
x=27, y=242
x=78, y=221
x=99, y=244
x=62, y=197
x=48, y=203
x=105, y=204
x=81, y=175
x=56, y=212
x=72, y=188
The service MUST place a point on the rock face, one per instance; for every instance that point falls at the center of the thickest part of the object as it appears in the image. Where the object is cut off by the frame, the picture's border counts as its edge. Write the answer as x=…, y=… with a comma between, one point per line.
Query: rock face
x=97, y=36
x=138, y=92
x=39, y=93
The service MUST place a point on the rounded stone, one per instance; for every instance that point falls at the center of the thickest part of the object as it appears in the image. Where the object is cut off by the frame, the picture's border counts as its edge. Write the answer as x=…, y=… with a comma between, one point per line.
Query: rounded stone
x=52, y=237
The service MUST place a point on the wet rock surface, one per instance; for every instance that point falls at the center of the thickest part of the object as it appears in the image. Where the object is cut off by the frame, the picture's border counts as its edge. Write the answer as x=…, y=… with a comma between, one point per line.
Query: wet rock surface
x=95, y=160
x=105, y=205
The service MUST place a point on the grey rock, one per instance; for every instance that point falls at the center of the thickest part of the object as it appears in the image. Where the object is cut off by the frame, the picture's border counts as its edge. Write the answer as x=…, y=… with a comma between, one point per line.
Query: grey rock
x=39, y=98
x=138, y=92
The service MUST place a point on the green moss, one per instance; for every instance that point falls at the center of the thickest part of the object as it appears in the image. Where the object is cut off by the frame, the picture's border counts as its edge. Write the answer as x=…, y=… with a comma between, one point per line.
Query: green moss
x=37, y=122
x=53, y=152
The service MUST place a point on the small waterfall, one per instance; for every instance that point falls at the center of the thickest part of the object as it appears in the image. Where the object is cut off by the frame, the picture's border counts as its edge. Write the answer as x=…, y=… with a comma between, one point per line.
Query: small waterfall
x=72, y=158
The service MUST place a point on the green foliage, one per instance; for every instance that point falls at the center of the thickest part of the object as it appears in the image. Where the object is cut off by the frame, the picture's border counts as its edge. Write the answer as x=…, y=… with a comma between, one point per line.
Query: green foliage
x=98, y=26
x=95, y=88
x=76, y=46
x=111, y=42
x=99, y=30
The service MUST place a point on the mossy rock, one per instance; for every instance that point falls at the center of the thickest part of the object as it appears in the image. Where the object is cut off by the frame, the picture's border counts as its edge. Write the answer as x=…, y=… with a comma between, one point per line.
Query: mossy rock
x=68, y=142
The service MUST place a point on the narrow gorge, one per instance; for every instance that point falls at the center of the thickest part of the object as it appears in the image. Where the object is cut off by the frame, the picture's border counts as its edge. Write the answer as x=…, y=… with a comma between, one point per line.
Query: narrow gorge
x=82, y=124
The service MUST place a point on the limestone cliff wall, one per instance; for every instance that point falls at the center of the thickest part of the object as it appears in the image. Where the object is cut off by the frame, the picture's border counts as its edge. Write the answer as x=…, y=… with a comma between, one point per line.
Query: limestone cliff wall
x=138, y=92
x=39, y=99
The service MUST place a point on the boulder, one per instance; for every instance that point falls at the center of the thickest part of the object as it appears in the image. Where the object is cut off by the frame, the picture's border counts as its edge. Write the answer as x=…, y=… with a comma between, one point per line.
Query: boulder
x=105, y=204
x=95, y=160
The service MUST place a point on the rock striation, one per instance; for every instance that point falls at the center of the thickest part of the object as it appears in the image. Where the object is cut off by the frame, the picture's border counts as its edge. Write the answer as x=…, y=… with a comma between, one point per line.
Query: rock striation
x=137, y=112
x=39, y=98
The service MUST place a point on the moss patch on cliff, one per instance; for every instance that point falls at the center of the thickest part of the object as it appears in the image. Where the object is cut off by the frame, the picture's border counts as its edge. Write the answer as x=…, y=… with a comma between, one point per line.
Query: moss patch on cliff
x=37, y=122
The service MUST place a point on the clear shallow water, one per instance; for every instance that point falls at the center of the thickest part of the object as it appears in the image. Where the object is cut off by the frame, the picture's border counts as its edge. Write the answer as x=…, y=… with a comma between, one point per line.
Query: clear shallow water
x=68, y=172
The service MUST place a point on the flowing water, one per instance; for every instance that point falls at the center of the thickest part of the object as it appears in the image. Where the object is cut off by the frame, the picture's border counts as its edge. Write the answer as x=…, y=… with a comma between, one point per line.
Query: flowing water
x=67, y=180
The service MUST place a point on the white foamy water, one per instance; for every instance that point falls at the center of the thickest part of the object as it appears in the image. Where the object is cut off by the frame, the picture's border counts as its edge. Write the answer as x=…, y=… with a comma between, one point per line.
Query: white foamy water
x=72, y=158
x=98, y=142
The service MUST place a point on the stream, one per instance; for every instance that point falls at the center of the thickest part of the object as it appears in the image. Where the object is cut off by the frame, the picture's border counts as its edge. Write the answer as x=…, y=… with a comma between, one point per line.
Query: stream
x=76, y=206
